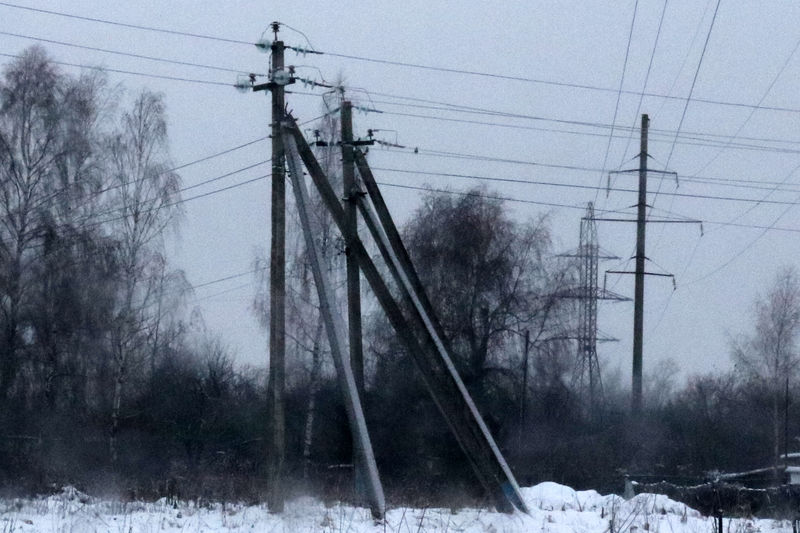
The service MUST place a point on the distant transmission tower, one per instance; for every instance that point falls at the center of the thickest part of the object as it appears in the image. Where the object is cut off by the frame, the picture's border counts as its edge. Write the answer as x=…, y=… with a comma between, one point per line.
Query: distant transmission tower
x=586, y=379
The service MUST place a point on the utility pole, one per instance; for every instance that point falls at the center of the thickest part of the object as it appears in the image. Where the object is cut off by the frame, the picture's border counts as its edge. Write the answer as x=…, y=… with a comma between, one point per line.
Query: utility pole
x=638, y=295
x=276, y=386
x=363, y=456
x=640, y=273
x=418, y=331
x=353, y=281
x=351, y=218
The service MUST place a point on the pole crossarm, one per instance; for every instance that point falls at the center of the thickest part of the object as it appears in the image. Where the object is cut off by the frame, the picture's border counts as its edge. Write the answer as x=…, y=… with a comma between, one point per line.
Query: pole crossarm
x=583, y=256
x=579, y=293
x=649, y=221
x=633, y=170
x=422, y=342
x=645, y=273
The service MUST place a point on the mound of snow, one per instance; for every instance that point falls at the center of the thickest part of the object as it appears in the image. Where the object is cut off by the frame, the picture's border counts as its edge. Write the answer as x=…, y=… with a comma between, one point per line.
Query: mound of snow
x=554, y=508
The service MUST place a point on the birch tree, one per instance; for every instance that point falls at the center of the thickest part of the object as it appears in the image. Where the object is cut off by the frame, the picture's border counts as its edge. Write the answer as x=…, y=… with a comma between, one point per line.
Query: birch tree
x=144, y=196
x=769, y=355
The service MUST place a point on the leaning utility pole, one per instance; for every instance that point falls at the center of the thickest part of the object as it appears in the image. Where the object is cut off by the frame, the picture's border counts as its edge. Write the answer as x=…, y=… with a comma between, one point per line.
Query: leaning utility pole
x=276, y=386
x=638, y=293
x=364, y=458
x=418, y=331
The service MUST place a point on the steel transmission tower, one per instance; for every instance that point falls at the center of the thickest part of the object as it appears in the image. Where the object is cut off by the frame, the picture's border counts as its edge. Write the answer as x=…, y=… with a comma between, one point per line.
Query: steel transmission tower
x=586, y=380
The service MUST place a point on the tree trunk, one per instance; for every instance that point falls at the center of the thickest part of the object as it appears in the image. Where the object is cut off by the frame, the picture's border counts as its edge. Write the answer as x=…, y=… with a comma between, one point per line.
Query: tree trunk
x=776, y=435
x=308, y=431
x=115, y=410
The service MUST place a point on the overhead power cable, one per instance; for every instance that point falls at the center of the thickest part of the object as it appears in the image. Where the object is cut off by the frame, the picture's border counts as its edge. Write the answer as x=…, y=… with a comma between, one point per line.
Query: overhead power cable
x=481, y=195
x=689, y=141
x=718, y=182
x=441, y=105
x=578, y=186
x=130, y=72
x=619, y=97
x=126, y=25
x=691, y=90
x=127, y=54
x=711, y=138
x=568, y=206
x=399, y=63
x=753, y=111
x=644, y=85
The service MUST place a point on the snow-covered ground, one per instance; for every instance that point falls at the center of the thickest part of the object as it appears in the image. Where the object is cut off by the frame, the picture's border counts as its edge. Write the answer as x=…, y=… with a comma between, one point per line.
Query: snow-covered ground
x=554, y=508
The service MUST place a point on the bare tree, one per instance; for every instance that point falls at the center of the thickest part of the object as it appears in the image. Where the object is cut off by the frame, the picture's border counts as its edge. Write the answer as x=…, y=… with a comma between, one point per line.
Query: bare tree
x=488, y=278
x=144, y=195
x=769, y=355
x=50, y=167
x=659, y=384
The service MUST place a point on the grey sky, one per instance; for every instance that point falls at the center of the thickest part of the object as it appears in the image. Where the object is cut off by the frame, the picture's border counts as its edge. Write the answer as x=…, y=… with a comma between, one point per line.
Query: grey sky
x=570, y=43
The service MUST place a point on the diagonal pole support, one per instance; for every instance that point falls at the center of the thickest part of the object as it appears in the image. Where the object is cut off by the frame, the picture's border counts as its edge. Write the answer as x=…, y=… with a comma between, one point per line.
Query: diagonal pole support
x=438, y=374
x=336, y=338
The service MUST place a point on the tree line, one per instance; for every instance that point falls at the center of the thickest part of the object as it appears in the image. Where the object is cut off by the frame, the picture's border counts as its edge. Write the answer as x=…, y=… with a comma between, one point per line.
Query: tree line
x=109, y=383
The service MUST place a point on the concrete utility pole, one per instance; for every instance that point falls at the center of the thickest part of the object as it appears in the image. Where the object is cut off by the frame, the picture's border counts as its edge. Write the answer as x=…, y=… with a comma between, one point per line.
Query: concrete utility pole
x=353, y=277
x=638, y=297
x=640, y=273
x=436, y=368
x=363, y=455
x=351, y=216
x=276, y=386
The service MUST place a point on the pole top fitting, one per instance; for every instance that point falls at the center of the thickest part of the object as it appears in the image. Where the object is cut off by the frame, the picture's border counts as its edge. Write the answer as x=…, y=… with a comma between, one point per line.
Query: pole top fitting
x=276, y=26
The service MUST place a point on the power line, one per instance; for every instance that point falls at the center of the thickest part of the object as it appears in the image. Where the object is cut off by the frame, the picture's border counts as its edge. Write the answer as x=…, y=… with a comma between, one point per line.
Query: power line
x=699, y=142
x=544, y=82
x=568, y=206
x=126, y=25
x=752, y=111
x=127, y=54
x=578, y=186
x=646, y=80
x=480, y=195
x=194, y=162
x=400, y=63
x=228, y=278
x=741, y=127
x=130, y=72
x=686, y=56
x=691, y=90
x=718, y=182
x=458, y=108
x=619, y=96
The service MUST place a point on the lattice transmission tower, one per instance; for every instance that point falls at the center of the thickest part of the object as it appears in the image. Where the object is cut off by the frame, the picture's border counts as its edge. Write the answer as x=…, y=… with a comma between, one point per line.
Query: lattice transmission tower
x=587, y=380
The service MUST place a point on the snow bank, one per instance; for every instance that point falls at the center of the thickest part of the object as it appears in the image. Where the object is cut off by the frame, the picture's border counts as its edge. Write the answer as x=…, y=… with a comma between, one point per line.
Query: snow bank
x=554, y=508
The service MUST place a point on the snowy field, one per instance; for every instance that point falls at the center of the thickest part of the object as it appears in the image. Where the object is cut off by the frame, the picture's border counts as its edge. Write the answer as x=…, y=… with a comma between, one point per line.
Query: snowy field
x=554, y=508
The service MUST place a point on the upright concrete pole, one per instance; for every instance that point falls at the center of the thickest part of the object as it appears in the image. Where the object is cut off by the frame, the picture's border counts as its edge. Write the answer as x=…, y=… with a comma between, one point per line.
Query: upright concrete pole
x=276, y=440
x=638, y=309
x=353, y=277
x=353, y=281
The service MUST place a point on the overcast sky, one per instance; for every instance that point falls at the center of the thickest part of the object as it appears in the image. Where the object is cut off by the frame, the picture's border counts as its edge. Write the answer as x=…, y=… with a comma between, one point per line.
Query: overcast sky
x=568, y=59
